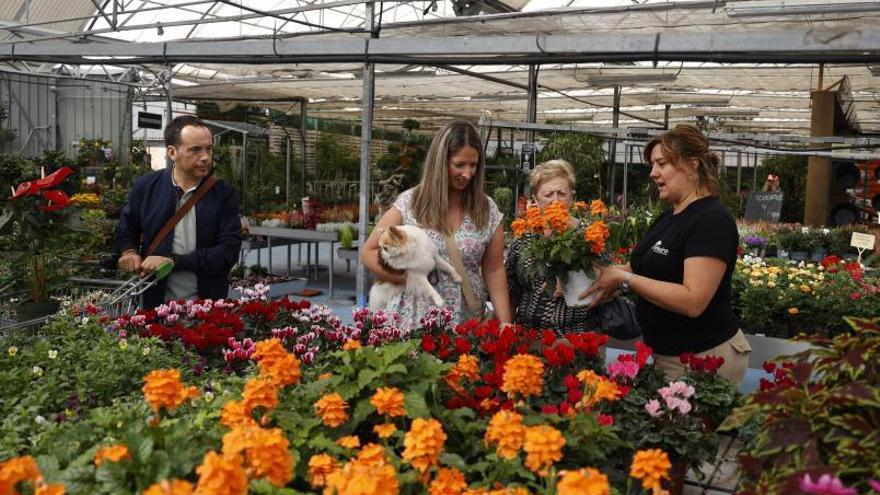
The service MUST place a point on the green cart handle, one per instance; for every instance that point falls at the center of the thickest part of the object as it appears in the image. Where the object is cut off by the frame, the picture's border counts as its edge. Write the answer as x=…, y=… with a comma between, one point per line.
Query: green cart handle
x=164, y=269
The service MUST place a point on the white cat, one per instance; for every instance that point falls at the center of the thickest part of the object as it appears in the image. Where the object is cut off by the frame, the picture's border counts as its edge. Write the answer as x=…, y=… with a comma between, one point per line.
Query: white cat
x=408, y=248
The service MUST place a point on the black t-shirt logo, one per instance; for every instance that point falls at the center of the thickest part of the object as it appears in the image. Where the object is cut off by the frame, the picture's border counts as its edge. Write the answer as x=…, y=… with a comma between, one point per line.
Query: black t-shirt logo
x=659, y=249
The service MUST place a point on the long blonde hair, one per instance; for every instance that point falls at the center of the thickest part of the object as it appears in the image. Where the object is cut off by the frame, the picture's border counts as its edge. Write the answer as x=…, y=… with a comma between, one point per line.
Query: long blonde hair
x=430, y=201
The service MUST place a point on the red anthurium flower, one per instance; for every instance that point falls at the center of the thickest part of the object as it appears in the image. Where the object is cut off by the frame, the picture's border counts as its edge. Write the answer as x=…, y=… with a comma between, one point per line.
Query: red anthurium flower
x=606, y=420
x=57, y=199
x=32, y=187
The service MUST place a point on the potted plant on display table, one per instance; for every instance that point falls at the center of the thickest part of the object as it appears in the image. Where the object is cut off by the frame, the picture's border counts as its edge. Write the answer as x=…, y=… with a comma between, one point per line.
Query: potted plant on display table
x=34, y=217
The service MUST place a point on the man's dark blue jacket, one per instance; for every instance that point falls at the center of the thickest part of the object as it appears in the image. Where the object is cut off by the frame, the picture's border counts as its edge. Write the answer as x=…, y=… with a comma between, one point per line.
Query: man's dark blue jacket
x=152, y=201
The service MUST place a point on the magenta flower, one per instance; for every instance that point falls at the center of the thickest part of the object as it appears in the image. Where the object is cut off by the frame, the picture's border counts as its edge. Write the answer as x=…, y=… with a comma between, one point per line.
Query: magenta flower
x=875, y=485
x=624, y=369
x=827, y=485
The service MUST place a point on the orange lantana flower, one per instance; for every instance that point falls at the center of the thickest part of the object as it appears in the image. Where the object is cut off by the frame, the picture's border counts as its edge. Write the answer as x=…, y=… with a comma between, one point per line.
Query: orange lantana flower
x=596, y=389
x=259, y=392
x=557, y=216
x=449, y=481
x=332, y=409
x=276, y=364
x=598, y=208
x=222, y=475
x=650, y=466
x=506, y=429
x=172, y=487
x=56, y=489
x=351, y=344
x=266, y=453
x=113, y=453
x=519, y=227
x=360, y=478
x=162, y=388
x=320, y=466
x=523, y=374
x=543, y=445
x=388, y=401
x=423, y=443
x=385, y=430
x=349, y=442
x=586, y=481
x=235, y=415
x=596, y=234
x=16, y=470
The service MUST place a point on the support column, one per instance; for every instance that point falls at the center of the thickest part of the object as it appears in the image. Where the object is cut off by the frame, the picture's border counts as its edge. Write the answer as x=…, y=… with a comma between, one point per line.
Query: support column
x=287, y=151
x=739, y=171
x=531, y=118
x=612, y=146
x=364, y=194
x=166, y=76
x=818, y=200
x=303, y=129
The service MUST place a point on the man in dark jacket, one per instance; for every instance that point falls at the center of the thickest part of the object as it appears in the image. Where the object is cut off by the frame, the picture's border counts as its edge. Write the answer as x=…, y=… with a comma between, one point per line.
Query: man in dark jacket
x=204, y=245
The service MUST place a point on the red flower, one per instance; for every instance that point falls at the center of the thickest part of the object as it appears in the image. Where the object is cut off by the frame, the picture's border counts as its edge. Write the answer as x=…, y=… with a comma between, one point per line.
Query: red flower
x=549, y=409
x=571, y=381
x=643, y=352
x=428, y=344
x=606, y=420
x=565, y=408
x=57, y=199
x=855, y=296
x=686, y=357
x=32, y=187
x=462, y=346
x=769, y=366
x=548, y=337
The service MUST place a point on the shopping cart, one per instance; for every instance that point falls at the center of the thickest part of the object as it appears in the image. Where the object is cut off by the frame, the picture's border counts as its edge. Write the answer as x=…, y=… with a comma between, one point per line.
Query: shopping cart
x=113, y=297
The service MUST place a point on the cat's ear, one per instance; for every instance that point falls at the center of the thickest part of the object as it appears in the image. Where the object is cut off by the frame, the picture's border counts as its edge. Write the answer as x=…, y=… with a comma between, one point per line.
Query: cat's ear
x=395, y=232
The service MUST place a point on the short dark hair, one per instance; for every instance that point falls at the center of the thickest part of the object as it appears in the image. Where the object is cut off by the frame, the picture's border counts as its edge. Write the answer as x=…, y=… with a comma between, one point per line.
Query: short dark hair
x=172, y=130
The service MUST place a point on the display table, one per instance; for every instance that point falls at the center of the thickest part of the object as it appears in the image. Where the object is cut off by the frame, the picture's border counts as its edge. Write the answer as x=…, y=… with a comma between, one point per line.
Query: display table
x=299, y=236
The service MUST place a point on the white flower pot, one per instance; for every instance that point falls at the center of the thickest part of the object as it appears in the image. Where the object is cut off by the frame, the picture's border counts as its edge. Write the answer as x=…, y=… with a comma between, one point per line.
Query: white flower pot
x=577, y=283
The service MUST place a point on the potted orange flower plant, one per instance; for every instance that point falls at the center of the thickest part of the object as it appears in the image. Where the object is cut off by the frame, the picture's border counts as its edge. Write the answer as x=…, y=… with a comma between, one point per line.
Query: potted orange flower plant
x=566, y=242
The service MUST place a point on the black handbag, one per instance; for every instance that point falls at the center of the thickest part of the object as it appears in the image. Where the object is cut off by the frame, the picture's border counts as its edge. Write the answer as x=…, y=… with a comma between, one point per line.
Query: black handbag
x=618, y=319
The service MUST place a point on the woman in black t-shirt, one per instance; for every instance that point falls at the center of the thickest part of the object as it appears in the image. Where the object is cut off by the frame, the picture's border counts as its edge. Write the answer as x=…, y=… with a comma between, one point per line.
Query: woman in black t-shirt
x=682, y=268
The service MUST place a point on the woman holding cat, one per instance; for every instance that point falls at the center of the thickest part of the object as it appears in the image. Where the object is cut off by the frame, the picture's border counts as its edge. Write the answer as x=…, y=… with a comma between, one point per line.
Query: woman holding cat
x=450, y=206
x=551, y=182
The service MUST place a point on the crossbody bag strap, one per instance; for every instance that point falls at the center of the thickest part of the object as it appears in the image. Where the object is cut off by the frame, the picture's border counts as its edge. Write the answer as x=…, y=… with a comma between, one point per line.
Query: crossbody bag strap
x=455, y=259
x=181, y=212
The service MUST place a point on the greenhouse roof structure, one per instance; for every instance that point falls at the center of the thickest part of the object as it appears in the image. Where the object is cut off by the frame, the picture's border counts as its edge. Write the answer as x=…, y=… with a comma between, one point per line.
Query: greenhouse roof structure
x=737, y=66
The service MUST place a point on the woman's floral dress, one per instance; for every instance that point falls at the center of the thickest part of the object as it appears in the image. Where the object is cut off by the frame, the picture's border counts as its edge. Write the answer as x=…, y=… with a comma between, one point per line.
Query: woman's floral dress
x=472, y=244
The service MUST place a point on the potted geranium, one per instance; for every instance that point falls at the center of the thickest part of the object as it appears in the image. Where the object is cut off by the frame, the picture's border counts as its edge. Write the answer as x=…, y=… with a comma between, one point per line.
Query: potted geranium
x=35, y=216
x=566, y=242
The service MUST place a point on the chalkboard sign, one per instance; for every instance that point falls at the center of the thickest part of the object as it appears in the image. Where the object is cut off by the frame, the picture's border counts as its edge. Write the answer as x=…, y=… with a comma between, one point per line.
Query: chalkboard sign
x=148, y=120
x=764, y=206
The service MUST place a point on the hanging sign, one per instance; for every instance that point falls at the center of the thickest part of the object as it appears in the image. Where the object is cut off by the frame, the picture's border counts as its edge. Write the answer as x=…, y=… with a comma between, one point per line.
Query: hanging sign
x=527, y=156
x=147, y=120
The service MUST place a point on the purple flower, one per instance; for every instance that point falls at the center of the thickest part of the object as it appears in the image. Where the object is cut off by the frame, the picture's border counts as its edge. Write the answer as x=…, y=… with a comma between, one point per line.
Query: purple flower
x=827, y=485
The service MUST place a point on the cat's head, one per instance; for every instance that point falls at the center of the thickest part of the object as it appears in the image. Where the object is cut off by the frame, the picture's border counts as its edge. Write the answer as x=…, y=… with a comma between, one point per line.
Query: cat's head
x=394, y=244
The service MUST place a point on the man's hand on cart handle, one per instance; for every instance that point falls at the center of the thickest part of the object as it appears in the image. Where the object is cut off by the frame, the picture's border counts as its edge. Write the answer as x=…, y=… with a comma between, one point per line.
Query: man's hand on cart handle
x=152, y=263
x=130, y=261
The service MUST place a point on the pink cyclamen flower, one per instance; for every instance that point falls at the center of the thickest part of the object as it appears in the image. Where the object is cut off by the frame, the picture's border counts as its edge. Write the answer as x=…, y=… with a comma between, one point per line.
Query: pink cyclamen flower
x=653, y=408
x=684, y=407
x=827, y=485
x=875, y=485
x=625, y=369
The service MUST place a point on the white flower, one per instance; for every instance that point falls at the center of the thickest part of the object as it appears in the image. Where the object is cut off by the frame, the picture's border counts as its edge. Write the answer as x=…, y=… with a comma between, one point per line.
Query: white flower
x=123, y=344
x=13, y=351
x=38, y=371
x=53, y=353
x=40, y=420
x=209, y=396
x=146, y=351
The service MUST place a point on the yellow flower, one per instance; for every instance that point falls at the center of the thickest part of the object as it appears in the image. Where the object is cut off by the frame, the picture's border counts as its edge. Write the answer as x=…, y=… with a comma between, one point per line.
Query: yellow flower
x=385, y=430
x=388, y=401
x=363, y=479
x=172, y=487
x=650, y=466
x=221, y=475
x=162, y=388
x=506, y=429
x=793, y=311
x=259, y=392
x=423, y=443
x=523, y=374
x=85, y=199
x=586, y=481
x=267, y=453
x=351, y=345
x=349, y=442
x=449, y=481
x=320, y=466
x=332, y=409
x=234, y=415
x=114, y=453
x=543, y=445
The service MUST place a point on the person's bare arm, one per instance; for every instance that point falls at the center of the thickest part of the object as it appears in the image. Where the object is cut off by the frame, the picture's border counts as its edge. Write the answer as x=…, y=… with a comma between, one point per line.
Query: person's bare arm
x=496, y=277
x=370, y=249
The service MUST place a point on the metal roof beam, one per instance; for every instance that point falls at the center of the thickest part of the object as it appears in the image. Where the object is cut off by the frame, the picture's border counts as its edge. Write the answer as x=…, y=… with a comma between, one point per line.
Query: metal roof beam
x=756, y=47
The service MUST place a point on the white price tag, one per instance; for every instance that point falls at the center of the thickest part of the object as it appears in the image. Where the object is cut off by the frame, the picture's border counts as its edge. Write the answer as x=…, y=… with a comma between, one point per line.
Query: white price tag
x=862, y=241
x=277, y=189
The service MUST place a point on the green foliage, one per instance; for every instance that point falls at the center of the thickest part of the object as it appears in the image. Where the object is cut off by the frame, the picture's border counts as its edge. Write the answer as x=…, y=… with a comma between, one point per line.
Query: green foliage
x=335, y=162
x=346, y=236
x=820, y=415
x=13, y=171
x=6, y=135
x=503, y=197
x=90, y=369
x=584, y=153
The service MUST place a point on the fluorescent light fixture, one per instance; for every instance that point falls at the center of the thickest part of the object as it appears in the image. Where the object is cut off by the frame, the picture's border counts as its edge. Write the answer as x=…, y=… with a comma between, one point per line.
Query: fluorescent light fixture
x=630, y=79
x=795, y=7
x=694, y=99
